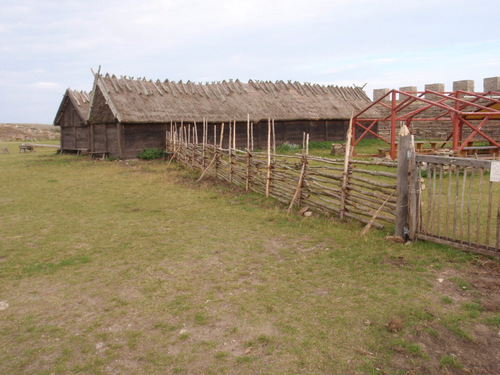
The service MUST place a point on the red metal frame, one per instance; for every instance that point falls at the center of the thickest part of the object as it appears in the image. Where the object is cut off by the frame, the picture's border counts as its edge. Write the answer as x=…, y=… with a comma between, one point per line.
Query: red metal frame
x=456, y=108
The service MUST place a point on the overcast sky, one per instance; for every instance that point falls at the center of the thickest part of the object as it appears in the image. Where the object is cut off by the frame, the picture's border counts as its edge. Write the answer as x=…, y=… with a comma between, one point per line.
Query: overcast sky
x=47, y=46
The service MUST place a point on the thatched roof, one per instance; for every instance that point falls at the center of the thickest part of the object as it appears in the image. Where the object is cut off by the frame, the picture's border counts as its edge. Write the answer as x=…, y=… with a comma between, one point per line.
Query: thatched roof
x=146, y=101
x=80, y=101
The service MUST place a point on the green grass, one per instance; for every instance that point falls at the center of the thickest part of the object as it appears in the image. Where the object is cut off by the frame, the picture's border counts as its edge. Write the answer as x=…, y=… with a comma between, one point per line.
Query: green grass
x=461, y=283
x=446, y=300
x=134, y=267
x=450, y=361
x=365, y=147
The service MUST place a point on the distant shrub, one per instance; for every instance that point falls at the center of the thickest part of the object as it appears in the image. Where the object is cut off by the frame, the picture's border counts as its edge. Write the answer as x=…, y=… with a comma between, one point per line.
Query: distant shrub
x=286, y=147
x=150, y=154
x=320, y=145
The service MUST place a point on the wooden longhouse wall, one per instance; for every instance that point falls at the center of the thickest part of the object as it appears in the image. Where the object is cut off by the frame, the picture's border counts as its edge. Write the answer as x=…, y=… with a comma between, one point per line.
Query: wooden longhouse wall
x=138, y=137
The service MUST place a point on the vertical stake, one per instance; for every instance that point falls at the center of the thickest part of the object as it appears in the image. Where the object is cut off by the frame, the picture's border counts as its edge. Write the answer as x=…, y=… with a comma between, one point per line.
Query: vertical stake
x=251, y=134
x=402, y=184
x=248, y=132
x=414, y=191
x=347, y=161
x=268, y=181
x=231, y=135
x=274, y=141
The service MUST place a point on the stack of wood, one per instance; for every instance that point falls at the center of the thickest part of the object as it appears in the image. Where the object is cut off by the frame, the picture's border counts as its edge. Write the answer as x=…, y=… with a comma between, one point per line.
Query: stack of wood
x=338, y=149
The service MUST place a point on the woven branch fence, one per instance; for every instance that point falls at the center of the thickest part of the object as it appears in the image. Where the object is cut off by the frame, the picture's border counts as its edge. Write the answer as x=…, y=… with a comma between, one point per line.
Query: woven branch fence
x=355, y=189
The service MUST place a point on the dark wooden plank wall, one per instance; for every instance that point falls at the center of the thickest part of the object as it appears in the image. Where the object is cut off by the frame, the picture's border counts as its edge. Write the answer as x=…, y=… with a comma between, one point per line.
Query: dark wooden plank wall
x=137, y=137
x=112, y=137
x=286, y=131
x=67, y=138
x=82, y=137
x=74, y=133
x=99, y=138
x=128, y=140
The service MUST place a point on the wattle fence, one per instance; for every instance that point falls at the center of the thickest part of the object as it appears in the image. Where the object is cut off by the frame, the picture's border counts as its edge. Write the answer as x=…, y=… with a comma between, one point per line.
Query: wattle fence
x=356, y=190
x=431, y=198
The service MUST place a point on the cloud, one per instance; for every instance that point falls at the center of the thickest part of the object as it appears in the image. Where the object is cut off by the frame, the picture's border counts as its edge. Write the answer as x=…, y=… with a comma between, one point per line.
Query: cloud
x=47, y=86
x=48, y=45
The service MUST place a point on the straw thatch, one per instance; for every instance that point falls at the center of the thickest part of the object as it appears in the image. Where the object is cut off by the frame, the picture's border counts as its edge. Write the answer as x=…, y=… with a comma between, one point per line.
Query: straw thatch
x=136, y=101
x=74, y=108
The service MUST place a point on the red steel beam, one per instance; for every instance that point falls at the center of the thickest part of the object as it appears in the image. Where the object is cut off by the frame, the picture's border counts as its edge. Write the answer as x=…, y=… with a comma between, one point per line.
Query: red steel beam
x=476, y=130
x=456, y=113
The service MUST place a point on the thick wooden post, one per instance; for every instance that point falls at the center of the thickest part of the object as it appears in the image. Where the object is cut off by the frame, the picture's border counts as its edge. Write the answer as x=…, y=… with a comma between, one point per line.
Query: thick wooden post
x=402, y=184
x=414, y=191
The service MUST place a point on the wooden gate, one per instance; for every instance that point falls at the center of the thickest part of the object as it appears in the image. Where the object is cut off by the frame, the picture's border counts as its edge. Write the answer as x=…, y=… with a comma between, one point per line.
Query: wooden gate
x=456, y=202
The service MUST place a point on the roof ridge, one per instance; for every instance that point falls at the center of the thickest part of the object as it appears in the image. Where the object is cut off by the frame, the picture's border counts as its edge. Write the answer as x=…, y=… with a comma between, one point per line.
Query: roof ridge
x=279, y=99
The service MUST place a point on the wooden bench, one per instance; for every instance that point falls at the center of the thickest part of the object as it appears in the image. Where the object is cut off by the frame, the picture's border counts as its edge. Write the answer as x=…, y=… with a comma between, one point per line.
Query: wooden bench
x=434, y=146
x=99, y=155
x=383, y=152
x=77, y=151
x=25, y=148
x=480, y=150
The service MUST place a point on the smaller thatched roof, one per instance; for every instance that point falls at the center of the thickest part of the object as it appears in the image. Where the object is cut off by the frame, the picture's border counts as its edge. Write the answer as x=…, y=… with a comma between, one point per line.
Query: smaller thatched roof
x=80, y=101
x=146, y=101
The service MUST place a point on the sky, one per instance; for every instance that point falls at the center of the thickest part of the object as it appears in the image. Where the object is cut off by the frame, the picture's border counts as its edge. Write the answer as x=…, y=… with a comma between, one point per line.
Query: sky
x=47, y=46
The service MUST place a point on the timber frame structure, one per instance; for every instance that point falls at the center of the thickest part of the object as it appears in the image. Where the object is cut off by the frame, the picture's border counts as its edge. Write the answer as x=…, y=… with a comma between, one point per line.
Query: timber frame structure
x=451, y=110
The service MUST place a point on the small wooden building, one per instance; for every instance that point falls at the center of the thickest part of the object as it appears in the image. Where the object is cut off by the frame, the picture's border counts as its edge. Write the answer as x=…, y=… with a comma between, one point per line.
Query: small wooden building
x=72, y=118
x=128, y=115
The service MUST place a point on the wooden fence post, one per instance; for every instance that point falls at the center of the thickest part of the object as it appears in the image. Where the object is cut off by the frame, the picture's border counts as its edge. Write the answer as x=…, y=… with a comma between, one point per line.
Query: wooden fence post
x=230, y=153
x=247, y=180
x=402, y=184
x=347, y=165
x=268, y=180
x=204, y=137
x=414, y=192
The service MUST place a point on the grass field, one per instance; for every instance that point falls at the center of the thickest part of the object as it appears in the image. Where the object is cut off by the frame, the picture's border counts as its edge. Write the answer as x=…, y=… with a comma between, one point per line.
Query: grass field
x=135, y=268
